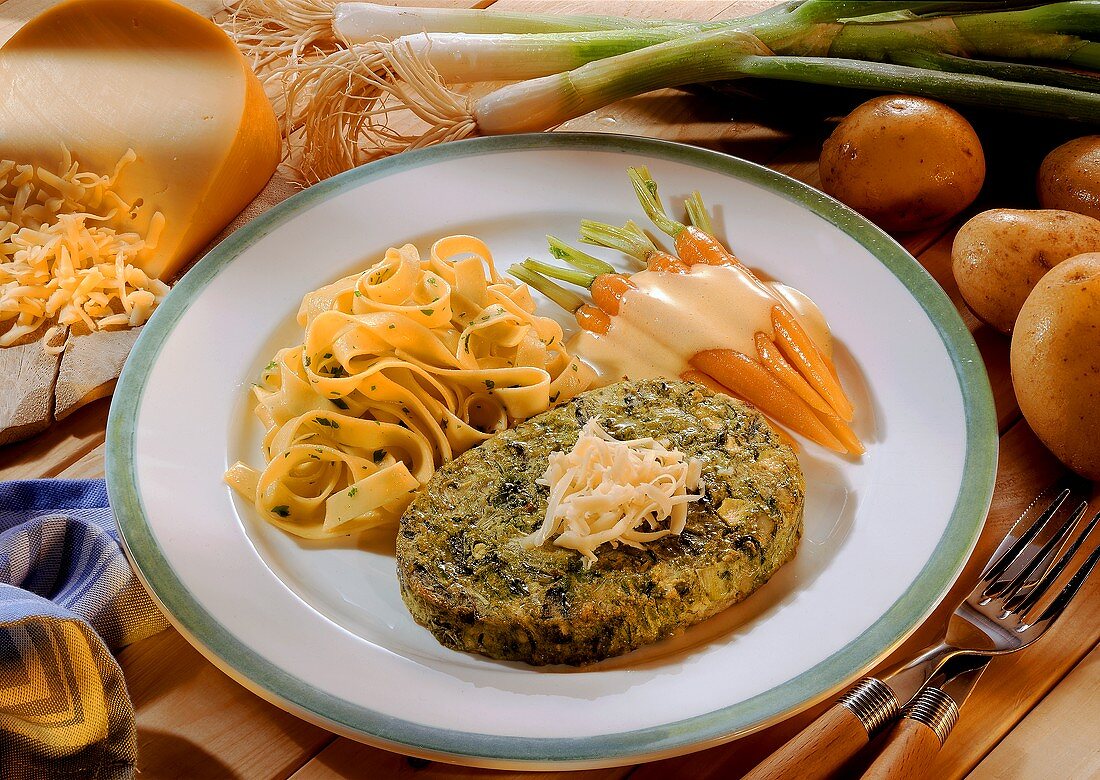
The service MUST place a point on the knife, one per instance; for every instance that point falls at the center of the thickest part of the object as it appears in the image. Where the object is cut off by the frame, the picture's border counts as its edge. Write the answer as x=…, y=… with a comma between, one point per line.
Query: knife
x=926, y=722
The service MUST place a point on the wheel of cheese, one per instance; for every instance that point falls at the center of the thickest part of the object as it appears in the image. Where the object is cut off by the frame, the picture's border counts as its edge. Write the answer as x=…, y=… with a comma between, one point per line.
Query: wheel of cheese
x=102, y=76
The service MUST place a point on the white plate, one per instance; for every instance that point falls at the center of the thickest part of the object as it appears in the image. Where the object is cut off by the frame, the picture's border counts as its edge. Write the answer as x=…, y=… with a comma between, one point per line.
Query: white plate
x=321, y=629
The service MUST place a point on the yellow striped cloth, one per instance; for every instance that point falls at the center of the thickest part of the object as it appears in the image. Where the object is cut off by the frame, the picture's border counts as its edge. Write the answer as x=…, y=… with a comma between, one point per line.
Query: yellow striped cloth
x=67, y=598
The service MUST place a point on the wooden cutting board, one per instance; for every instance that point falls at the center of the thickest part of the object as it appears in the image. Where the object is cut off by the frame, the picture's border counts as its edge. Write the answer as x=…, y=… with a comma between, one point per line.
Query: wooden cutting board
x=40, y=387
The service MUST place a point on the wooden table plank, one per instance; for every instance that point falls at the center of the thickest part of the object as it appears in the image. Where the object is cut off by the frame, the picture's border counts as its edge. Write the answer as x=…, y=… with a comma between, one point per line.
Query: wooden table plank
x=90, y=466
x=345, y=758
x=195, y=722
x=1058, y=738
x=57, y=448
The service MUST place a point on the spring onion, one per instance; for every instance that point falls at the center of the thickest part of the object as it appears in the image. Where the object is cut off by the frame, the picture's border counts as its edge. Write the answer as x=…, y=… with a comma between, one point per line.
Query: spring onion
x=343, y=99
x=1049, y=32
x=542, y=103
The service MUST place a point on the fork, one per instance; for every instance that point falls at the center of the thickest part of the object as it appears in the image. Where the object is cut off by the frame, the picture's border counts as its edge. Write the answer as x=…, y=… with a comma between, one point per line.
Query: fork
x=992, y=620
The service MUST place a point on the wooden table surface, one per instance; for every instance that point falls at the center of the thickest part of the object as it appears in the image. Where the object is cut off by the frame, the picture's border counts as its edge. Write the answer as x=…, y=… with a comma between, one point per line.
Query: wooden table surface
x=1032, y=715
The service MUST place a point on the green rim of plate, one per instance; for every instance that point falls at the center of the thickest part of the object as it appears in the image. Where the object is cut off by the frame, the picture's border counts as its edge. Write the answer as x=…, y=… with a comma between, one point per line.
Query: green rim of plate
x=857, y=657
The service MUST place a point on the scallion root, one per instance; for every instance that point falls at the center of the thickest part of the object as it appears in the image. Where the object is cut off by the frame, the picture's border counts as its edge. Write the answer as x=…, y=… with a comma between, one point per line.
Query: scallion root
x=275, y=36
x=369, y=101
x=271, y=33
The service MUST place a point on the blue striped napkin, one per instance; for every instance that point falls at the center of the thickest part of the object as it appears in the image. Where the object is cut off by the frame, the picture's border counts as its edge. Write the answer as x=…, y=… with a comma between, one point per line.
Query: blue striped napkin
x=67, y=598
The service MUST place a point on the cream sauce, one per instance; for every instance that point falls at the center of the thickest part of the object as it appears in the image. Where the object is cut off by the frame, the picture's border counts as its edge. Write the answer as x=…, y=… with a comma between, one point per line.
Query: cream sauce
x=671, y=317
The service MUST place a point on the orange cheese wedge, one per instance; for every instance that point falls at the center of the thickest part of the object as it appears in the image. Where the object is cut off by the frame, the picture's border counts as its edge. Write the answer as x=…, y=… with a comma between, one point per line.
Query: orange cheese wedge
x=102, y=76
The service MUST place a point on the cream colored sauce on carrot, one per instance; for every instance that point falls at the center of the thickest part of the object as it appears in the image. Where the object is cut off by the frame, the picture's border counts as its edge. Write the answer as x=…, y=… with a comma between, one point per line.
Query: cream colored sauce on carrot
x=671, y=317
x=807, y=314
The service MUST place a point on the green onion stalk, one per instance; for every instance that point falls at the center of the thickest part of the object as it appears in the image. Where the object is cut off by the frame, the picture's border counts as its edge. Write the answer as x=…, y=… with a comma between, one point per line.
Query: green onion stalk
x=1059, y=31
x=340, y=106
x=718, y=55
x=1004, y=71
x=1056, y=32
x=276, y=35
x=963, y=88
x=327, y=23
x=542, y=103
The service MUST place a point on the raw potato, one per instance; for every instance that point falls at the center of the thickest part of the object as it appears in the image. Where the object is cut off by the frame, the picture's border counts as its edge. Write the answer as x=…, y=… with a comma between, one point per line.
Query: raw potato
x=1056, y=362
x=1069, y=177
x=903, y=162
x=1000, y=255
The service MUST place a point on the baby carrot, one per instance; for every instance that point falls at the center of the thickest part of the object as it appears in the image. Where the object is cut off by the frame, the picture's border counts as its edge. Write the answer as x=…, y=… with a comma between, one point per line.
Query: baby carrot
x=844, y=432
x=692, y=244
x=774, y=362
x=664, y=263
x=607, y=289
x=589, y=317
x=746, y=377
x=800, y=349
x=606, y=285
x=593, y=319
x=818, y=384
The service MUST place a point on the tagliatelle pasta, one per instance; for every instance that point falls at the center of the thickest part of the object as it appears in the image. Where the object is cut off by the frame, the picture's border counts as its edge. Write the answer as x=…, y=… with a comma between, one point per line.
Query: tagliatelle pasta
x=401, y=368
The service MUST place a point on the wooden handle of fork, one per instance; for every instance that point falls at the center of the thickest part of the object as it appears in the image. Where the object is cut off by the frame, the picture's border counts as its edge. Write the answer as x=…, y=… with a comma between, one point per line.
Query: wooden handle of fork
x=908, y=755
x=818, y=750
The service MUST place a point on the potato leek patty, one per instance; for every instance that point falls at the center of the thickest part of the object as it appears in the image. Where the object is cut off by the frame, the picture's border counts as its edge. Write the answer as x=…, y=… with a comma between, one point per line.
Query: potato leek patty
x=465, y=576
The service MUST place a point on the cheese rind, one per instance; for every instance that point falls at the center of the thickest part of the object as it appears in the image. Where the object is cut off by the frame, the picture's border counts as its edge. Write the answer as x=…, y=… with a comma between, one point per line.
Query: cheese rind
x=101, y=76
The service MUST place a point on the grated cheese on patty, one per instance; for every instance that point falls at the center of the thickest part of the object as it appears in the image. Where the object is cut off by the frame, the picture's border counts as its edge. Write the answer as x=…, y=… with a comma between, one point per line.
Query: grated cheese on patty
x=606, y=491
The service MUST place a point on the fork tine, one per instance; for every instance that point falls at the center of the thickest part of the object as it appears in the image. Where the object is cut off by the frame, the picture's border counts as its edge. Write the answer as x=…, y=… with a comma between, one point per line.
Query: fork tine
x=1040, y=560
x=1025, y=601
x=1058, y=606
x=1008, y=557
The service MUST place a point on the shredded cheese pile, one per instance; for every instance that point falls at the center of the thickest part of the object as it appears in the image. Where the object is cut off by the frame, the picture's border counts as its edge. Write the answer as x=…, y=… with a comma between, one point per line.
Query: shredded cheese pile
x=606, y=491
x=61, y=258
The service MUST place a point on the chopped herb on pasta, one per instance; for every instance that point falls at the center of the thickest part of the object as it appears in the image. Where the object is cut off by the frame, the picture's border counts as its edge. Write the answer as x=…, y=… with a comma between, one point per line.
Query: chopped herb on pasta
x=401, y=368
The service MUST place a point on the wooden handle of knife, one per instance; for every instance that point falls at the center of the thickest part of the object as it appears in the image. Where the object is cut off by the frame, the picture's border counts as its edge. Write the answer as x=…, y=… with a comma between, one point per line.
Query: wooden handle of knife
x=910, y=750
x=818, y=750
